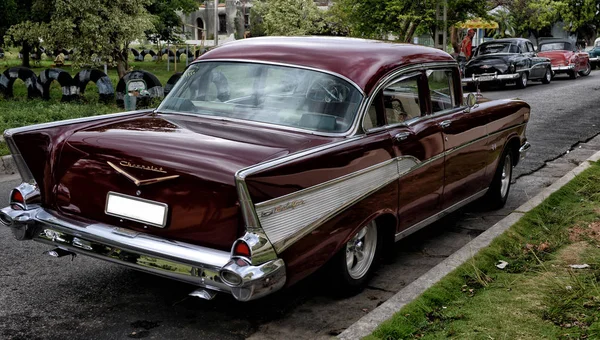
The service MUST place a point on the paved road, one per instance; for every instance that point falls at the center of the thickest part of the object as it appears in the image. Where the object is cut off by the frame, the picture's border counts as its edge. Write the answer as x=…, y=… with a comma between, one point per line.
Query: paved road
x=46, y=298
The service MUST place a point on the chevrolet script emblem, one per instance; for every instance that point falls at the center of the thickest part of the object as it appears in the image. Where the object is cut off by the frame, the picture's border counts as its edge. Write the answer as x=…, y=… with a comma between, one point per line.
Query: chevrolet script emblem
x=140, y=182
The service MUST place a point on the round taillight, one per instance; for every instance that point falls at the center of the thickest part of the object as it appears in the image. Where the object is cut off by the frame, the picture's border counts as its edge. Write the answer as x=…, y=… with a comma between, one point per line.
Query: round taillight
x=241, y=248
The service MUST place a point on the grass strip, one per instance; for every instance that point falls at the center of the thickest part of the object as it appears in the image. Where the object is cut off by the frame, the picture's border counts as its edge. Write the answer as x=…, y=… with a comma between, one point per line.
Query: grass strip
x=538, y=295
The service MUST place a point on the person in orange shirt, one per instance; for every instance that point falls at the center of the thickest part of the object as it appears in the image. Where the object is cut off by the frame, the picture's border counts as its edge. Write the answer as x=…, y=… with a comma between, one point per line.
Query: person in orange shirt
x=467, y=45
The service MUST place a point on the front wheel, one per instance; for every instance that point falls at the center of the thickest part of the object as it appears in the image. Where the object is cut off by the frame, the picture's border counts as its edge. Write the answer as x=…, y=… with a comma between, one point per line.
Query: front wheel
x=522, y=81
x=586, y=71
x=356, y=260
x=547, y=76
x=498, y=191
x=572, y=74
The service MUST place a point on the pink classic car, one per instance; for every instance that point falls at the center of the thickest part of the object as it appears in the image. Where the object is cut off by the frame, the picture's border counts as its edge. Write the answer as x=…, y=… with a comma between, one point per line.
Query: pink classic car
x=269, y=159
x=565, y=57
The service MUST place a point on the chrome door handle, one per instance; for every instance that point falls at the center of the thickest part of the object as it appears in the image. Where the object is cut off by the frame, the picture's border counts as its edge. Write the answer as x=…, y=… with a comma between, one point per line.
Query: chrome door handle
x=445, y=124
x=401, y=136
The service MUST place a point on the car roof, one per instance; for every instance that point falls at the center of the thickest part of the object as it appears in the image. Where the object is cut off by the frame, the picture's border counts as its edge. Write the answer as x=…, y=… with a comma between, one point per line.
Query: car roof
x=515, y=40
x=362, y=61
x=554, y=40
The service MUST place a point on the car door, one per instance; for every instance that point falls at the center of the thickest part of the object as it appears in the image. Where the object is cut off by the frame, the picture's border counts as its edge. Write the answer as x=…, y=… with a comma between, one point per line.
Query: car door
x=418, y=146
x=464, y=136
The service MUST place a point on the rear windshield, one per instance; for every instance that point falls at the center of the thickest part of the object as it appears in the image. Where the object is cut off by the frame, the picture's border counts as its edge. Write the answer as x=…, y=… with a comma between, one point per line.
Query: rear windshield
x=280, y=95
x=555, y=46
x=497, y=47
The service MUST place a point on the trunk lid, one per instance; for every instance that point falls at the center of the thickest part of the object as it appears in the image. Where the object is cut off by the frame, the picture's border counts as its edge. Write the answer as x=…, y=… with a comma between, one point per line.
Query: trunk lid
x=194, y=159
x=557, y=58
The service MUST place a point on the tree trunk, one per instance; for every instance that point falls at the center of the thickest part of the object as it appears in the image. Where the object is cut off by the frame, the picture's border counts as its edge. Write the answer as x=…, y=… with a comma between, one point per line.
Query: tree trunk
x=122, y=62
x=411, y=31
x=454, y=39
x=25, y=57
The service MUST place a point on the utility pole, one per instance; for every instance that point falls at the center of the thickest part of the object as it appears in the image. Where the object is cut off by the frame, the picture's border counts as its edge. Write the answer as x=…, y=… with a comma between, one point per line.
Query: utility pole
x=216, y=22
x=441, y=30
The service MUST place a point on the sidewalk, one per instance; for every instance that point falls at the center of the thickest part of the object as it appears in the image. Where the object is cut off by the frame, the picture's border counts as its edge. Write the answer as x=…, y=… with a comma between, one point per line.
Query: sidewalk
x=543, y=177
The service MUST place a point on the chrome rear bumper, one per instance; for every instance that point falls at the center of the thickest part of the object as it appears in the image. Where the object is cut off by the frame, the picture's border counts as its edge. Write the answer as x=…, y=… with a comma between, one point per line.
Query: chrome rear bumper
x=200, y=266
x=563, y=68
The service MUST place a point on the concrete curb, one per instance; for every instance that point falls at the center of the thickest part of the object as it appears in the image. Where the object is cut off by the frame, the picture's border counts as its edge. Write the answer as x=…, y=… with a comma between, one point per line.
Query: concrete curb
x=8, y=165
x=367, y=324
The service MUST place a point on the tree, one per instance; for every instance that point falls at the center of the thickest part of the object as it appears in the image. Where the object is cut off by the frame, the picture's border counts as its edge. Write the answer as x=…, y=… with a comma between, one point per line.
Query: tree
x=8, y=17
x=285, y=17
x=167, y=23
x=401, y=18
x=22, y=23
x=99, y=30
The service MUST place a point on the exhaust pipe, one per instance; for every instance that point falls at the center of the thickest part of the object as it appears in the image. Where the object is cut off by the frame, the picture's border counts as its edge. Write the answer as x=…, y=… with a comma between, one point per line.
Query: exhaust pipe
x=58, y=252
x=204, y=293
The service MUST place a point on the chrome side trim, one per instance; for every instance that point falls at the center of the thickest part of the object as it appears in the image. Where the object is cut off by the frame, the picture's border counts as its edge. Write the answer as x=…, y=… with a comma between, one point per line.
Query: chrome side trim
x=420, y=225
x=324, y=201
x=12, y=131
x=22, y=167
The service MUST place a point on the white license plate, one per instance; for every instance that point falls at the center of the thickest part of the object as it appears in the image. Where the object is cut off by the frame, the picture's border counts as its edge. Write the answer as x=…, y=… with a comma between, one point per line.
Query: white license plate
x=136, y=209
x=486, y=78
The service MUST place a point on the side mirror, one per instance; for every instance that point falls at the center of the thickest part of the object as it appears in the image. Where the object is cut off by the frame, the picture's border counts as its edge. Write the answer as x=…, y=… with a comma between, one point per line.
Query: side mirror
x=471, y=102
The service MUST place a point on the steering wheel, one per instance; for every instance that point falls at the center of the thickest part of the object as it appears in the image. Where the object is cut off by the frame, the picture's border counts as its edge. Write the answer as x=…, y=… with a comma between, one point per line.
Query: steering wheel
x=327, y=90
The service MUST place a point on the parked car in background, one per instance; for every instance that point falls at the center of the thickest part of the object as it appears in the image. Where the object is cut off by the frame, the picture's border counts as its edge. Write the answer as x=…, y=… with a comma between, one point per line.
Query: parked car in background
x=594, y=54
x=506, y=61
x=565, y=57
x=269, y=159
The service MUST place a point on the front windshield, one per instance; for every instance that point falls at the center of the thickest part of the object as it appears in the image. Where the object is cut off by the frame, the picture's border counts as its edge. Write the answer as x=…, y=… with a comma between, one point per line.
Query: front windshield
x=272, y=94
x=555, y=46
x=497, y=47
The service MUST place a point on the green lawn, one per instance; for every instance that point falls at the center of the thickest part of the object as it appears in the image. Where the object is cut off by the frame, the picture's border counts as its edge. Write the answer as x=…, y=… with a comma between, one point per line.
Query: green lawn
x=538, y=295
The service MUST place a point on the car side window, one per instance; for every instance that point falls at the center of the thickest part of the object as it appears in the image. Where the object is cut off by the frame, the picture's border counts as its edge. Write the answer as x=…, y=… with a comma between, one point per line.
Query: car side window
x=530, y=47
x=441, y=90
x=401, y=100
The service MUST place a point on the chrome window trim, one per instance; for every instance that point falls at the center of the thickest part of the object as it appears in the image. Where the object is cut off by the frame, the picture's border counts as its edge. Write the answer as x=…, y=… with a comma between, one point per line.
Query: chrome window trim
x=389, y=79
x=255, y=123
x=351, y=130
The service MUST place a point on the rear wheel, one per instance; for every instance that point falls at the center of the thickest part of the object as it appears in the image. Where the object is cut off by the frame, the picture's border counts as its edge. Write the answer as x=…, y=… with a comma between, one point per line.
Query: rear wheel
x=586, y=71
x=547, y=76
x=356, y=260
x=522, y=81
x=500, y=187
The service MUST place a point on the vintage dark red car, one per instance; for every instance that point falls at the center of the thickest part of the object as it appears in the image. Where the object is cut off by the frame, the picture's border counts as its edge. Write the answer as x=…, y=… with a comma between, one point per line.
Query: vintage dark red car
x=271, y=158
x=565, y=57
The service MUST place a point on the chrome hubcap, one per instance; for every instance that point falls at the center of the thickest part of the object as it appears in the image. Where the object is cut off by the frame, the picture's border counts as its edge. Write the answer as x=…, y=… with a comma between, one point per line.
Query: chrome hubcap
x=548, y=75
x=524, y=79
x=506, y=175
x=360, y=251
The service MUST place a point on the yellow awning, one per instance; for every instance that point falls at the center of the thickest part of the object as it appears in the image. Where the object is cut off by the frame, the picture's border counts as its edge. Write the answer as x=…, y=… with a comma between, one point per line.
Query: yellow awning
x=477, y=23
